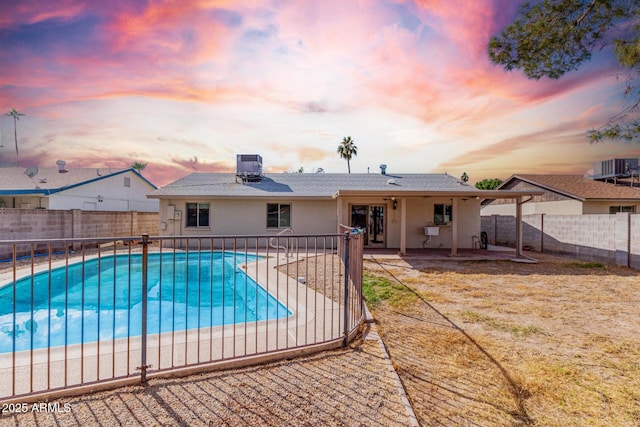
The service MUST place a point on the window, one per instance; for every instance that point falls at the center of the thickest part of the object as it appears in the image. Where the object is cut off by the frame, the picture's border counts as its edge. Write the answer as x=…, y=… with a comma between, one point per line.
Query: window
x=442, y=214
x=278, y=215
x=616, y=209
x=197, y=214
x=127, y=181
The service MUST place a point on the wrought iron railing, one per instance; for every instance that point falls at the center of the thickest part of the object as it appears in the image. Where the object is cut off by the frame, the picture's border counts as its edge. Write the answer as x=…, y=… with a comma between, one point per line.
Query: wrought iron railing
x=102, y=312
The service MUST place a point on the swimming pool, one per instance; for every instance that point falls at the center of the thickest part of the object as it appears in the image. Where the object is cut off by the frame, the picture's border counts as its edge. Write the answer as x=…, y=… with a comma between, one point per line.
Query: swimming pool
x=101, y=299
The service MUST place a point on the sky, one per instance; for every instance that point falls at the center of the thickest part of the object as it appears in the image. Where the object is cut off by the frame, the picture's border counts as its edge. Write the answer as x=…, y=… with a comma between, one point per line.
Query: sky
x=184, y=86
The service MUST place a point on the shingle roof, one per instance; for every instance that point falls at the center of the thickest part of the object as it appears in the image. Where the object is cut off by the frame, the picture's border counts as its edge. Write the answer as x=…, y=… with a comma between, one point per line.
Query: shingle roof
x=322, y=185
x=49, y=180
x=580, y=187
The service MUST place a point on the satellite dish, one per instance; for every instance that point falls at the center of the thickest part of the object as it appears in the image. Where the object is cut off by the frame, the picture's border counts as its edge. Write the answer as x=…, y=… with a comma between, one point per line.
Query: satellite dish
x=31, y=171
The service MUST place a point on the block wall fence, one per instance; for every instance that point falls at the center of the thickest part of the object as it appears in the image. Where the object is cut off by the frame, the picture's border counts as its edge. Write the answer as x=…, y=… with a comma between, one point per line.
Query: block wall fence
x=27, y=224
x=613, y=239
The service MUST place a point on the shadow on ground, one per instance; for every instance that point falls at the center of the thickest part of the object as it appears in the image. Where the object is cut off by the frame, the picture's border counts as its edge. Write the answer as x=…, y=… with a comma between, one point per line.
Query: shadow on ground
x=347, y=387
x=450, y=379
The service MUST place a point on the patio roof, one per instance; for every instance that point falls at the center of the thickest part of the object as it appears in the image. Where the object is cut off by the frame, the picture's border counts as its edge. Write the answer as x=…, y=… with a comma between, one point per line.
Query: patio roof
x=480, y=194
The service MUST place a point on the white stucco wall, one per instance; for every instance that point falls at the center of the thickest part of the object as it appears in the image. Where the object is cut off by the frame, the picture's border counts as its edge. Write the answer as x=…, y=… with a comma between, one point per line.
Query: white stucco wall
x=603, y=207
x=420, y=214
x=115, y=196
x=249, y=217
x=559, y=207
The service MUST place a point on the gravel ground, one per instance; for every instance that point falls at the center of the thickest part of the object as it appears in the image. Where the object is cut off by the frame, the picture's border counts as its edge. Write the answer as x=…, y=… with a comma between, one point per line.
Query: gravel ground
x=347, y=387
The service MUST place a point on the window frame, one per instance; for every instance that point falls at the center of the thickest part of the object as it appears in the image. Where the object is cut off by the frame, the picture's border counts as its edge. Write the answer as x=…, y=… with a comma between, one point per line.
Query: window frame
x=446, y=212
x=280, y=215
x=199, y=210
x=621, y=209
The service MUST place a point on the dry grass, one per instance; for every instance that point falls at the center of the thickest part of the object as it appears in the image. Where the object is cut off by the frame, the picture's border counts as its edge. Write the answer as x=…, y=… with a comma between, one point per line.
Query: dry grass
x=500, y=343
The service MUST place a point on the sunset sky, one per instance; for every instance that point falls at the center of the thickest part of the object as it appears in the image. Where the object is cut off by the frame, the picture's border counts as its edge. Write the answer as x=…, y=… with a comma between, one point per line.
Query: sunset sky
x=187, y=85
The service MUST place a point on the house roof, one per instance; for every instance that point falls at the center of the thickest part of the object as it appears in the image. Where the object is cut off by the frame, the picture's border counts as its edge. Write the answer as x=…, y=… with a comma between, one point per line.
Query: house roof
x=578, y=187
x=315, y=185
x=47, y=181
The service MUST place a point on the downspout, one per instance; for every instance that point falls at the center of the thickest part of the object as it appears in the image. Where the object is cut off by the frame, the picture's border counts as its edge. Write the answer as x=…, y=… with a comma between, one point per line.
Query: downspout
x=519, y=204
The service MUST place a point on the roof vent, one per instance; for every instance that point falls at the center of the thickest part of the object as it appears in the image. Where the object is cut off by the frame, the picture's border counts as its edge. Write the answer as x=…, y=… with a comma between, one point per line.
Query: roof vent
x=391, y=181
x=383, y=169
x=61, y=164
x=249, y=167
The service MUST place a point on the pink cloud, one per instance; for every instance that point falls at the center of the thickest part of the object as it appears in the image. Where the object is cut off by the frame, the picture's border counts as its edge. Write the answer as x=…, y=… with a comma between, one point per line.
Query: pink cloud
x=169, y=32
x=33, y=11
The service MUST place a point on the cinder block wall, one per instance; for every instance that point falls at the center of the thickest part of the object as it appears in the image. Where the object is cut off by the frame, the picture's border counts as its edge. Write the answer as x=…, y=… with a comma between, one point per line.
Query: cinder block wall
x=608, y=238
x=40, y=224
x=589, y=237
x=634, y=246
x=20, y=224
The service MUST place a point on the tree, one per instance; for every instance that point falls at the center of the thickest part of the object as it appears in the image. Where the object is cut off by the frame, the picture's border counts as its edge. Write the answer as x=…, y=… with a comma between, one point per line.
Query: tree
x=488, y=184
x=347, y=149
x=138, y=166
x=552, y=37
x=16, y=116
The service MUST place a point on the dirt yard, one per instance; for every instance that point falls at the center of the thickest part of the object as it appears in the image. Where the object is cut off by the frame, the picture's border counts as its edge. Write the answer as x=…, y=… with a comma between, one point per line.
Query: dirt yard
x=501, y=343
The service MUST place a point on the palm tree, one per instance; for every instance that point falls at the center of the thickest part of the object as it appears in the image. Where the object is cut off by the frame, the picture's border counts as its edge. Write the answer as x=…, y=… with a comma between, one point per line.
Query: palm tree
x=347, y=149
x=16, y=116
x=138, y=166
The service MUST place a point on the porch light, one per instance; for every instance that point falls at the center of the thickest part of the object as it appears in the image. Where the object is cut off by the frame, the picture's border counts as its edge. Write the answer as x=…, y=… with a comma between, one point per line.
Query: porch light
x=394, y=203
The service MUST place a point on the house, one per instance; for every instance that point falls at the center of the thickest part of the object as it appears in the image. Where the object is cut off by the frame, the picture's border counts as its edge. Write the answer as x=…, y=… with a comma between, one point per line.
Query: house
x=567, y=195
x=392, y=209
x=75, y=188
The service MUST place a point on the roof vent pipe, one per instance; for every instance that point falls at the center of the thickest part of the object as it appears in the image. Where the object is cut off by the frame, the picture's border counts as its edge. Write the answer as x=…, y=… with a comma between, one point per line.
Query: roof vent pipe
x=61, y=164
x=383, y=169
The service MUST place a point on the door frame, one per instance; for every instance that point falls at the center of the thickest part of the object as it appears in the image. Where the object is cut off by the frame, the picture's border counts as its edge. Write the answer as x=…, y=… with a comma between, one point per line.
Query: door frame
x=367, y=226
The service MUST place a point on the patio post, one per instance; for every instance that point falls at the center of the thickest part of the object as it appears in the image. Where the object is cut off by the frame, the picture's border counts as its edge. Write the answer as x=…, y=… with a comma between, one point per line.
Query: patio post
x=403, y=226
x=339, y=212
x=454, y=227
x=519, y=204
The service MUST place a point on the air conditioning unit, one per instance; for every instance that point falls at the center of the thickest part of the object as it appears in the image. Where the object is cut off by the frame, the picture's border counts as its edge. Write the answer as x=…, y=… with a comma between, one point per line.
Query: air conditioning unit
x=615, y=168
x=249, y=167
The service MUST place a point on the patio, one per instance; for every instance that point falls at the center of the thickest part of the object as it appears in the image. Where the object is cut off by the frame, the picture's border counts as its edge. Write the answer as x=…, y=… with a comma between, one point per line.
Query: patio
x=493, y=253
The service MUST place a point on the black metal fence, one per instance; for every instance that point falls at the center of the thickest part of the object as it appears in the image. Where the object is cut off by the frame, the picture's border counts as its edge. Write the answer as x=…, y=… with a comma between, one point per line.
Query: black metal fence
x=85, y=313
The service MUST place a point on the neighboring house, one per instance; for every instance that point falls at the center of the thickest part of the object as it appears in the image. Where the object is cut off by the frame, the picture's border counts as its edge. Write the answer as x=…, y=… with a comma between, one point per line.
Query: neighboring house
x=76, y=188
x=394, y=209
x=567, y=195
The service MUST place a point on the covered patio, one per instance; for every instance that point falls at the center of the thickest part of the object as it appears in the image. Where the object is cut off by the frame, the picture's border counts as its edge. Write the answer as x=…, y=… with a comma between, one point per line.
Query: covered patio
x=407, y=202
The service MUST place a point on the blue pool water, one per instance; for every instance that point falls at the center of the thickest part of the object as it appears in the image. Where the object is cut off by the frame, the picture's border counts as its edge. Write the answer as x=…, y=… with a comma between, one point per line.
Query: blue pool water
x=103, y=299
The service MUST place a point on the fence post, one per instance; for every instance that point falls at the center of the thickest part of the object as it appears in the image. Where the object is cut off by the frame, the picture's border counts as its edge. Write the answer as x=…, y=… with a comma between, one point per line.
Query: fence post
x=143, y=334
x=347, y=237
